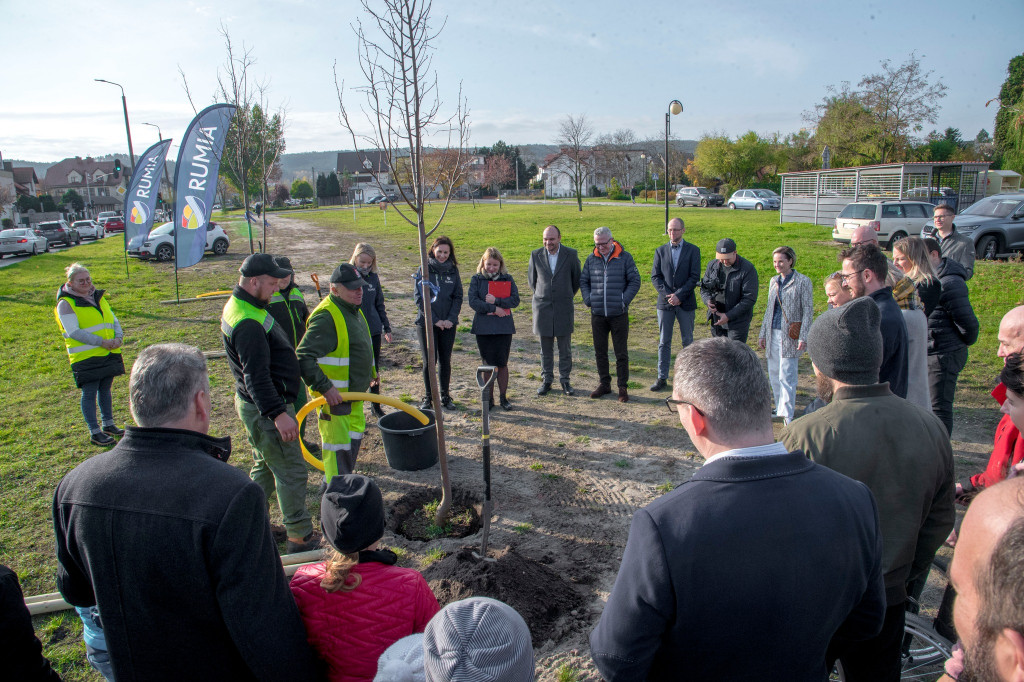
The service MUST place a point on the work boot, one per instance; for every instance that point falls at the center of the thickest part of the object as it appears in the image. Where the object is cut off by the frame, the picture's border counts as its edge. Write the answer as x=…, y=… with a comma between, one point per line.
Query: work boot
x=101, y=439
x=306, y=544
x=544, y=388
x=659, y=385
x=505, y=404
x=623, y=396
x=112, y=430
x=602, y=389
x=567, y=388
x=446, y=402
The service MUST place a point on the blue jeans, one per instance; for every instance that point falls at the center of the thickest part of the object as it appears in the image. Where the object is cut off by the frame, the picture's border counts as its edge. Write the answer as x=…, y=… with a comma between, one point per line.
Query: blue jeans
x=667, y=320
x=90, y=391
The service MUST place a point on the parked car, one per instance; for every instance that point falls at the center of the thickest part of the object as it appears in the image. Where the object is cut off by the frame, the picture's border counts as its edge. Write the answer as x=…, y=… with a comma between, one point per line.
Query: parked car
x=22, y=240
x=102, y=217
x=88, y=229
x=58, y=232
x=891, y=220
x=995, y=223
x=159, y=244
x=757, y=199
x=114, y=224
x=698, y=196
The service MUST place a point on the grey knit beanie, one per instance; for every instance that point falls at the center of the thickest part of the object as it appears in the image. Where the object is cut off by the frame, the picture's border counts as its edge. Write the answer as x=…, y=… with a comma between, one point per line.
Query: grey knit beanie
x=845, y=343
x=402, y=661
x=477, y=640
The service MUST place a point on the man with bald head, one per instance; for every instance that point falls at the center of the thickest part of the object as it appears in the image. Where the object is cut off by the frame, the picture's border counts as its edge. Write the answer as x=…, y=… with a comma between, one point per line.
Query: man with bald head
x=988, y=575
x=675, y=275
x=554, y=276
x=1008, y=445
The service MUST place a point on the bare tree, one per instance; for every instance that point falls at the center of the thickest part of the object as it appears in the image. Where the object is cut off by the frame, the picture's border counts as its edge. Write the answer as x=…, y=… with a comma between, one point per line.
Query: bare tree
x=620, y=157
x=497, y=171
x=7, y=198
x=574, y=135
x=901, y=100
x=402, y=108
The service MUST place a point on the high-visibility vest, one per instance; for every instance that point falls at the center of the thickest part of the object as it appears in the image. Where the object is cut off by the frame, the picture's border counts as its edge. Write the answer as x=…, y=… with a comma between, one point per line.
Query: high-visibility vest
x=90, y=319
x=236, y=310
x=293, y=295
x=334, y=365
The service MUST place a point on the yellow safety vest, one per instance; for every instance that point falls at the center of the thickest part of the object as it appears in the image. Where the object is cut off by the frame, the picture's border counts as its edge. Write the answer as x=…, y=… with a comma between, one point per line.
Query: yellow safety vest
x=236, y=310
x=293, y=295
x=334, y=365
x=99, y=322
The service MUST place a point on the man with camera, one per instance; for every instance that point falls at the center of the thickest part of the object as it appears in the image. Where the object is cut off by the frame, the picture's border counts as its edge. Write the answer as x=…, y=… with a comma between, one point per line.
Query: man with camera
x=729, y=290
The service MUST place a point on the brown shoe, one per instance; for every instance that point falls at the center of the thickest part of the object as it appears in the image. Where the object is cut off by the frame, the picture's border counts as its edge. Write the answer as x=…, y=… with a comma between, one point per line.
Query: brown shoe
x=623, y=396
x=307, y=544
x=602, y=389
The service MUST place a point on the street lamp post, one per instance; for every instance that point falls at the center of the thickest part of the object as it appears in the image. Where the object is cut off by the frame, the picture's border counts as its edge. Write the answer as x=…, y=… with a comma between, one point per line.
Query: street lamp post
x=127, y=129
x=167, y=177
x=675, y=107
x=643, y=164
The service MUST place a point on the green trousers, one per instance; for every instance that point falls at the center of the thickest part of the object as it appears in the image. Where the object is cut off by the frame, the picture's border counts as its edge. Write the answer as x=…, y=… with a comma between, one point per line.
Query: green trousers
x=277, y=467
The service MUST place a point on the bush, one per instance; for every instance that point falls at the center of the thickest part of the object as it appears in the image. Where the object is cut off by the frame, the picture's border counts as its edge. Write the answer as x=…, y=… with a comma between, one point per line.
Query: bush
x=7, y=223
x=615, y=191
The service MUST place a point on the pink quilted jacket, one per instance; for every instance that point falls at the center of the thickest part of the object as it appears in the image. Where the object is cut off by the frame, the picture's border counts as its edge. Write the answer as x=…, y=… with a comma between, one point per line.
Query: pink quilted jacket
x=350, y=630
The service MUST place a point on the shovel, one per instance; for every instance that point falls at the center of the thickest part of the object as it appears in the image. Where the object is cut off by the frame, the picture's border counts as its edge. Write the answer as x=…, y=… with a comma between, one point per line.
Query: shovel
x=485, y=385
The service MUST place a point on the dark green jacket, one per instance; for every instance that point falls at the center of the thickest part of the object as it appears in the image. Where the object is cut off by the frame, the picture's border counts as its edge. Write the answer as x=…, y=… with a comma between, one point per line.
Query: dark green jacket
x=321, y=339
x=902, y=453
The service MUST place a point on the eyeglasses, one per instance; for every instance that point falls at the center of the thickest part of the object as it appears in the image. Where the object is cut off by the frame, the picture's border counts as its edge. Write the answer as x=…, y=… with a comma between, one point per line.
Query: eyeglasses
x=844, y=277
x=671, y=403
x=942, y=216
x=605, y=243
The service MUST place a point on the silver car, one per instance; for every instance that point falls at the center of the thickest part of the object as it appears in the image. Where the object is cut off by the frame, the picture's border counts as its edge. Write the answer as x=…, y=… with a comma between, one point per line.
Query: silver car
x=88, y=229
x=756, y=199
x=22, y=240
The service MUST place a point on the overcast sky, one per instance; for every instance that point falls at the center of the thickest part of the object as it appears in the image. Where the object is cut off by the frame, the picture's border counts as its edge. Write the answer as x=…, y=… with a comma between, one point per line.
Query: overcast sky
x=523, y=65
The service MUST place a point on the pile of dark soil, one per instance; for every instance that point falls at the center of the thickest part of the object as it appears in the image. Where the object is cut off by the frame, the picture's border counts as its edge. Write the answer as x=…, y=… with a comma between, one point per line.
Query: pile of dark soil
x=538, y=593
x=409, y=520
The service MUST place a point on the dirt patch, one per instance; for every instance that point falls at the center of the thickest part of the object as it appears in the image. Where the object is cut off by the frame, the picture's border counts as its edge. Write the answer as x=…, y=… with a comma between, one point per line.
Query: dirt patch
x=545, y=600
x=412, y=516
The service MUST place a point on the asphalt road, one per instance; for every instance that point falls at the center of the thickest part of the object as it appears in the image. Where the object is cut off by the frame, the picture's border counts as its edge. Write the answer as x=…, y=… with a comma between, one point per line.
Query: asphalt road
x=11, y=260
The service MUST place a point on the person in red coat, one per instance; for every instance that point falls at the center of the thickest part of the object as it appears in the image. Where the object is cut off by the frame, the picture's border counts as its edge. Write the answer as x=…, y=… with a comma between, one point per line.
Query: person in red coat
x=1008, y=445
x=358, y=602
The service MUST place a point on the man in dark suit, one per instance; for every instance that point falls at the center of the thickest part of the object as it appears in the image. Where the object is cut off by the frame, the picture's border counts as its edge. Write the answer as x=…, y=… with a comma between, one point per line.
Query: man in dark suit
x=748, y=570
x=675, y=275
x=554, y=275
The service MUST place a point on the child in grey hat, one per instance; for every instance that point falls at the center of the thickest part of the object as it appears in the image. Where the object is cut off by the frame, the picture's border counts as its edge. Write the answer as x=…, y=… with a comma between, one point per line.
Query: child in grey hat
x=480, y=640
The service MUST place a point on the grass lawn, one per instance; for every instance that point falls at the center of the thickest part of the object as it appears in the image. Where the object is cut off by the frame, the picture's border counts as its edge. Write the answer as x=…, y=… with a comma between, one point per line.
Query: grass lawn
x=43, y=436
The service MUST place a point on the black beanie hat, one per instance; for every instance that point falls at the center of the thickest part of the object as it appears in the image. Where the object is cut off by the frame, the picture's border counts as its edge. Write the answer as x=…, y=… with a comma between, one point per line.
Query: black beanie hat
x=352, y=513
x=845, y=343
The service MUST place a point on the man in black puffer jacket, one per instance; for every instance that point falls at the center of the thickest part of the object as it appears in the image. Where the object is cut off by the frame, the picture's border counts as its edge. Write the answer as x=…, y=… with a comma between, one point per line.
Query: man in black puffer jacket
x=609, y=282
x=952, y=327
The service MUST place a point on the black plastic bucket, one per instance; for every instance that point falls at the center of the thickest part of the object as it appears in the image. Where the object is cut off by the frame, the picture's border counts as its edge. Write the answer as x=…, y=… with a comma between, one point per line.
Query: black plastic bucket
x=408, y=444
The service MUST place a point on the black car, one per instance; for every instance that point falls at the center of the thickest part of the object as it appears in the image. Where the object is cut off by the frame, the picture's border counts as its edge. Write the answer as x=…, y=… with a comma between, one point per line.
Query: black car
x=995, y=224
x=58, y=232
x=698, y=196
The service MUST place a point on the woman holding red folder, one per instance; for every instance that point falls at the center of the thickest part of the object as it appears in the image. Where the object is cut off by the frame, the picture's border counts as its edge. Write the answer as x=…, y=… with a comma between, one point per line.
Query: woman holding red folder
x=493, y=295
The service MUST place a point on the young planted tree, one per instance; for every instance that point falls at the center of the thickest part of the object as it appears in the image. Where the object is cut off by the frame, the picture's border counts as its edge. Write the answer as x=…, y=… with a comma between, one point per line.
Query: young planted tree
x=497, y=172
x=574, y=135
x=402, y=109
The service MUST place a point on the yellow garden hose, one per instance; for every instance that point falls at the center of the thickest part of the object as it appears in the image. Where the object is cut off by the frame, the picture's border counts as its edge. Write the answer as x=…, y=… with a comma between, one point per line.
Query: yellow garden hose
x=353, y=397
x=214, y=293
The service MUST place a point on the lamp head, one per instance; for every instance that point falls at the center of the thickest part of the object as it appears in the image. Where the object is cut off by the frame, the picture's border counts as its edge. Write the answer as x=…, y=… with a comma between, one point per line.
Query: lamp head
x=676, y=107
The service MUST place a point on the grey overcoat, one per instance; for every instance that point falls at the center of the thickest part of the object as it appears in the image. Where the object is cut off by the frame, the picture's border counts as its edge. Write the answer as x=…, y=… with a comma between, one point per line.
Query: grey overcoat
x=553, y=292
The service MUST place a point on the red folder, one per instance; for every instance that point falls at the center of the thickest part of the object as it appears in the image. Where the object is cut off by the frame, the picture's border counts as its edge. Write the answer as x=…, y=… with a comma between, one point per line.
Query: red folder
x=500, y=289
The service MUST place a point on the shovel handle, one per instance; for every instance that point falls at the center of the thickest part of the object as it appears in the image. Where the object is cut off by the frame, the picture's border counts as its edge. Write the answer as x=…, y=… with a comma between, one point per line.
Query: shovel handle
x=489, y=372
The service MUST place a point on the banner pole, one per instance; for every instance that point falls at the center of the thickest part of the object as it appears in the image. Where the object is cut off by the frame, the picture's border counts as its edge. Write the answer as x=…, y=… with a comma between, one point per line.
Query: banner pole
x=177, y=296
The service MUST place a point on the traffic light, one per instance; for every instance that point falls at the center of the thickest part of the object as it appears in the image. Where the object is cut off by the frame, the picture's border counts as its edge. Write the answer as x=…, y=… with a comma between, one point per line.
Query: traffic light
x=117, y=168
x=159, y=197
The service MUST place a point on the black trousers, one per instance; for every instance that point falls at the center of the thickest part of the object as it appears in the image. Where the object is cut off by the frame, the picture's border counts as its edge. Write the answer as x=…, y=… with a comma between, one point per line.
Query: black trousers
x=876, y=659
x=736, y=332
x=444, y=341
x=943, y=371
x=618, y=327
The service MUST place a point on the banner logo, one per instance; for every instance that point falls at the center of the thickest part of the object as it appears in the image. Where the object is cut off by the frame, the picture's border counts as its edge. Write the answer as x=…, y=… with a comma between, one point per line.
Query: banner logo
x=139, y=214
x=194, y=213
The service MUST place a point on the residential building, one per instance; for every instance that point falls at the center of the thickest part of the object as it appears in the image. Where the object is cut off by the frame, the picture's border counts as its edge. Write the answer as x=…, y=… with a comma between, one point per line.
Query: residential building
x=93, y=180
